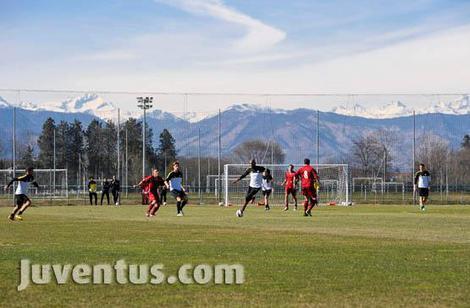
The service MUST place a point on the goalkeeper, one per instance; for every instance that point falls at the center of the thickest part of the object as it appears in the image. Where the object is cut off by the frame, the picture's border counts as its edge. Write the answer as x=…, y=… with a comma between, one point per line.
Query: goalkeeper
x=310, y=184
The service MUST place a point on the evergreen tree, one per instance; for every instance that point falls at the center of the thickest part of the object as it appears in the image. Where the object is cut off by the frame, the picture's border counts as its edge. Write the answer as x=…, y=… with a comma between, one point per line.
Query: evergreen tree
x=466, y=142
x=46, y=144
x=166, y=151
x=27, y=157
x=93, y=136
x=75, y=148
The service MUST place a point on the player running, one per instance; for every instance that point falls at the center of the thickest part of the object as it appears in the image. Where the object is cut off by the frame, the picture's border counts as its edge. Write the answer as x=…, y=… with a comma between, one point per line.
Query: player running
x=22, y=200
x=256, y=181
x=153, y=184
x=290, y=183
x=174, y=182
x=267, y=187
x=310, y=183
x=422, y=184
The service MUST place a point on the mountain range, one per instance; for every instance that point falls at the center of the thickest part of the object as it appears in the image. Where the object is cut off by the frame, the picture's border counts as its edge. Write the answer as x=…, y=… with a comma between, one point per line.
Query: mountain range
x=294, y=130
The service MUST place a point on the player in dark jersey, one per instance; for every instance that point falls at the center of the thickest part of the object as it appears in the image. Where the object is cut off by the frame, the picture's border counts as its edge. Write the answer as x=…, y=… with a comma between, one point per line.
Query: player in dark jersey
x=290, y=184
x=153, y=184
x=105, y=190
x=310, y=183
x=174, y=182
x=22, y=200
x=116, y=190
x=422, y=184
x=256, y=181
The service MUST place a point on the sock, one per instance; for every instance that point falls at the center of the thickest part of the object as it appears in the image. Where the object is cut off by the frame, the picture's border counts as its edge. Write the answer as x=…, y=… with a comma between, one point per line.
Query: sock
x=155, y=209
x=149, y=209
x=178, y=206
x=183, y=204
x=305, y=206
x=310, y=206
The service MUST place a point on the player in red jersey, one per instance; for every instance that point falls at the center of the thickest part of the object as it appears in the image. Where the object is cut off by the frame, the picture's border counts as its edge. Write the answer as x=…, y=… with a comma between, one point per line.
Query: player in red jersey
x=290, y=183
x=153, y=184
x=309, y=179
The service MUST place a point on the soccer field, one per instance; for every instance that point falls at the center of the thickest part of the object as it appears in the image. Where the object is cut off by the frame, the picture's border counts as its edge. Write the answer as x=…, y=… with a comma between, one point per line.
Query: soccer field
x=360, y=255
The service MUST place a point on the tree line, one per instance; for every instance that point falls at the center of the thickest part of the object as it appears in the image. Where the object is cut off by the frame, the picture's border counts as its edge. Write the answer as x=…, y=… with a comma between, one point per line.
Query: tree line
x=93, y=150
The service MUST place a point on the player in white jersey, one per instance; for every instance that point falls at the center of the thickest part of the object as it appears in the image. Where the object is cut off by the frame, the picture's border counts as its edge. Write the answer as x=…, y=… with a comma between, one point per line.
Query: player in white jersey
x=256, y=181
x=22, y=200
x=174, y=182
x=267, y=187
x=421, y=184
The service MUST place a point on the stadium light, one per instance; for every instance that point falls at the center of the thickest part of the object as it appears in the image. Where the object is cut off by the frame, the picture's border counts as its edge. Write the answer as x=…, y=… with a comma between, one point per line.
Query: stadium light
x=144, y=103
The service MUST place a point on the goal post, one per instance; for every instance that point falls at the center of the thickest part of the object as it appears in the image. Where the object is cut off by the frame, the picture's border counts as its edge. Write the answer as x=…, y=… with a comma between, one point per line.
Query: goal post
x=334, y=183
x=53, y=183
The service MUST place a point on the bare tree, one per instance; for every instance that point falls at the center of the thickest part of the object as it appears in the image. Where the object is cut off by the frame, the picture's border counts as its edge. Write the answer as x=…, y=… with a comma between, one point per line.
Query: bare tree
x=371, y=153
x=260, y=150
x=433, y=151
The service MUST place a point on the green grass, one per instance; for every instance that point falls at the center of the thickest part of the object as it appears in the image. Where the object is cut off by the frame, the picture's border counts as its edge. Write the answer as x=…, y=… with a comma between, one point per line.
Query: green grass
x=355, y=256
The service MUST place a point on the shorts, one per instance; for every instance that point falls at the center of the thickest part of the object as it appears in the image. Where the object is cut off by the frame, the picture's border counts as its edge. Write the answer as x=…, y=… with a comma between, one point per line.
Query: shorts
x=252, y=191
x=423, y=192
x=21, y=199
x=291, y=190
x=309, y=192
x=178, y=193
x=153, y=197
x=267, y=193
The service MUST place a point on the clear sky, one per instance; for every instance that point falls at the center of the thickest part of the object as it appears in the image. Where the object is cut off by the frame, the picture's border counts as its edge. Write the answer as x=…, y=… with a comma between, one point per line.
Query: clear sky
x=306, y=46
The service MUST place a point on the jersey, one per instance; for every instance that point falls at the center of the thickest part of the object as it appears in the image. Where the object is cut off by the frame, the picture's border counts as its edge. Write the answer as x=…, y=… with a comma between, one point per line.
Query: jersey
x=23, y=184
x=308, y=176
x=290, y=179
x=92, y=186
x=153, y=184
x=115, y=185
x=256, y=176
x=175, y=178
x=423, y=179
x=267, y=183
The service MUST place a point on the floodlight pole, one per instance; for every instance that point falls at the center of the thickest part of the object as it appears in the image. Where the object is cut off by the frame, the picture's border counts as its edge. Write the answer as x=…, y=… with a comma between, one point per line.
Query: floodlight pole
x=14, y=151
x=119, y=143
x=54, y=164
x=414, y=156
x=144, y=103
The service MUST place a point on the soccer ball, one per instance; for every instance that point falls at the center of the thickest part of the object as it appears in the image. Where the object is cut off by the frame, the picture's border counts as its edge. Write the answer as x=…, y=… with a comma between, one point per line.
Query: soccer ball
x=221, y=204
x=239, y=213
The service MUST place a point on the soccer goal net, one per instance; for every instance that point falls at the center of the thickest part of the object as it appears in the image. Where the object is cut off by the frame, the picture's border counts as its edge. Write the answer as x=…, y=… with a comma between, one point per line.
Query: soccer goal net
x=334, y=185
x=52, y=182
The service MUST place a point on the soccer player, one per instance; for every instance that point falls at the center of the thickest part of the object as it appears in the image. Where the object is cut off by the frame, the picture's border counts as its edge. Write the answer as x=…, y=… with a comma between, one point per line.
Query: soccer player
x=163, y=195
x=92, y=187
x=116, y=190
x=422, y=183
x=153, y=184
x=310, y=182
x=290, y=183
x=22, y=200
x=174, y=182
x=256, y=180
x=267, y=187
x=105, y=191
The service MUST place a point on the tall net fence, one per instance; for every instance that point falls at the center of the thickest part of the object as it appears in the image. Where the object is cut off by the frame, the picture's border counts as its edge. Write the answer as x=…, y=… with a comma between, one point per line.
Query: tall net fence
x=333, y=184
x=380, y=136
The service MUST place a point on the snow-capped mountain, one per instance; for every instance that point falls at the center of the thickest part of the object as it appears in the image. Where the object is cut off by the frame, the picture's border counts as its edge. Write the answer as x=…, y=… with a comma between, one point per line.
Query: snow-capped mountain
x=459, y=106
x=355, y=110
x=398, y=109
x=89, y=103
x=254, y=108
x=3, y=103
